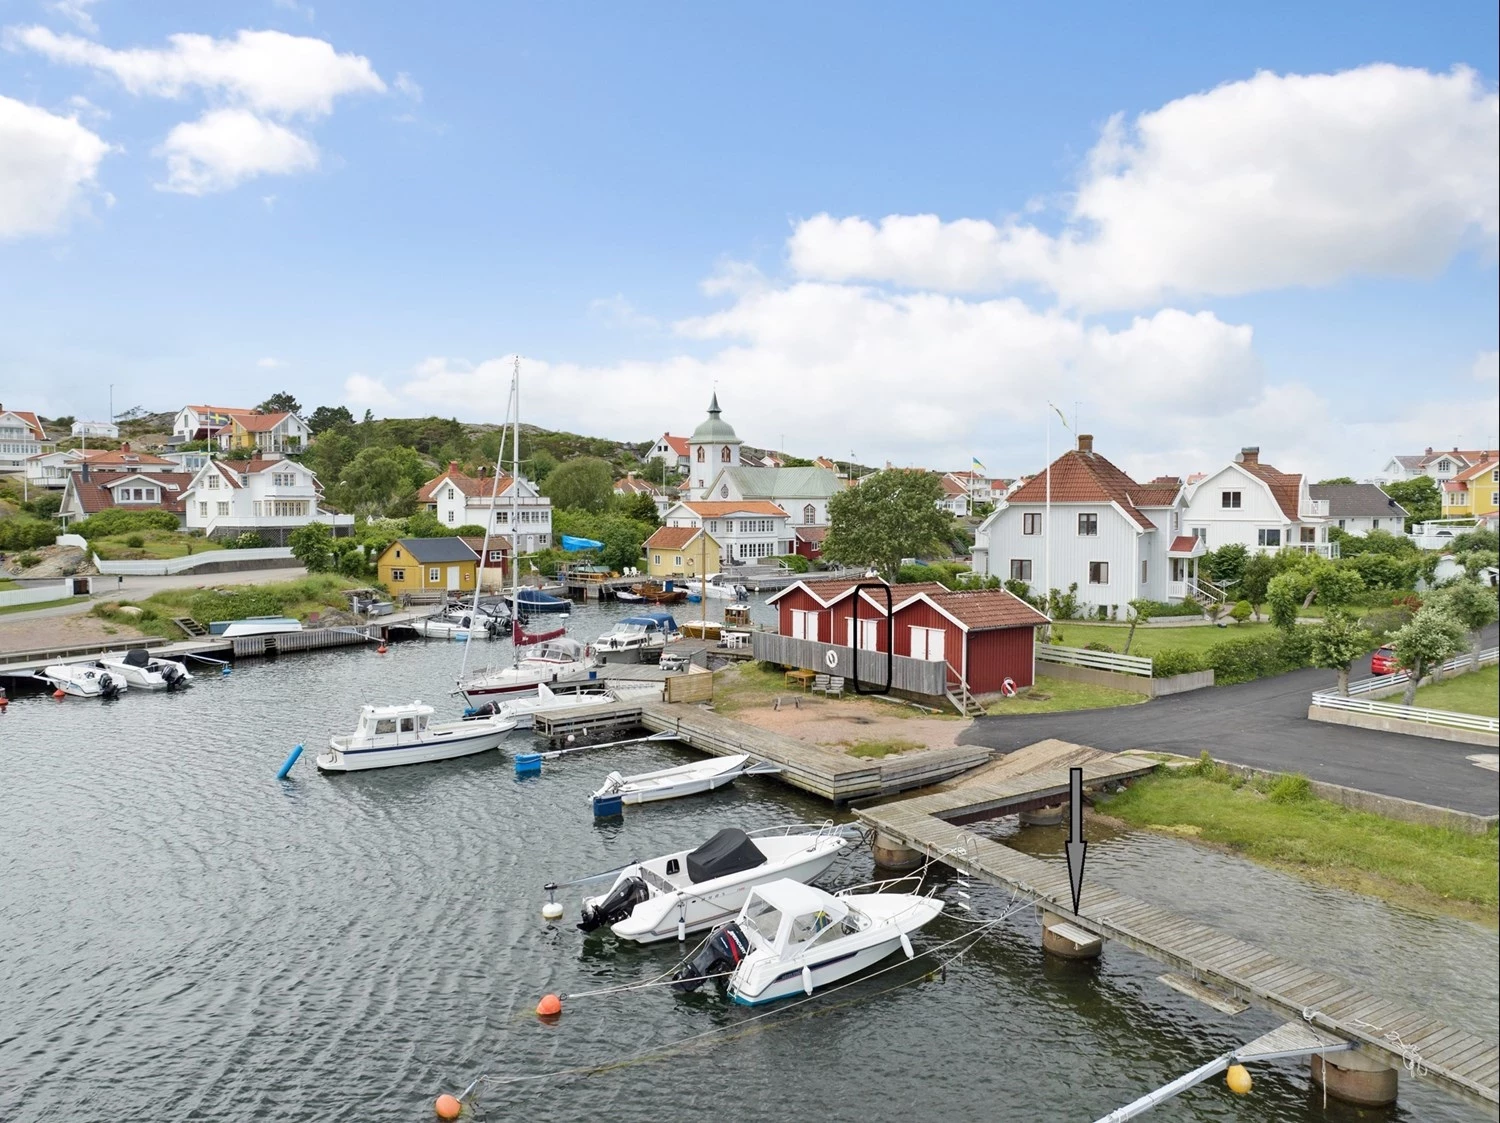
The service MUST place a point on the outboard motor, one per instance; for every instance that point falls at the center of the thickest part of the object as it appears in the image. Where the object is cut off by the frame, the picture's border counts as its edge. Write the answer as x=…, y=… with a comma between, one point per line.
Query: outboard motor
x=108, y=687
x=720, y=954
x=617, y=906
x=172, y=676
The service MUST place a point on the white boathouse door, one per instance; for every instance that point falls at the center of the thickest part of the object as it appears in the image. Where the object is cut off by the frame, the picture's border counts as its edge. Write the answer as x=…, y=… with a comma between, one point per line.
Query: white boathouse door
x=927, y=643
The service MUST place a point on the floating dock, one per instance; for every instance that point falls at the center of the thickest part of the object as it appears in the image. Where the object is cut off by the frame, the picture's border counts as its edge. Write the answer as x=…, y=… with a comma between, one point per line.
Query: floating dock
x=822, y=771
x=1386, y=1035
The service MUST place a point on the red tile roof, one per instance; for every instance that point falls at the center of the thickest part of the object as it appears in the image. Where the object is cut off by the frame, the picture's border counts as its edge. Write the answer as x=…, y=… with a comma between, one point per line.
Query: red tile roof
x=672, y=537
x=1184, y=544
x=679, y=445
x=1285, y=488
x=635, y=486
x=1484, y=463
x=719, y=509
x=122, y=459
x=32, y=421
x=1086, y=477
x=94, y=493
x=475, y=487
x=952, y=488
x=984, y=609
x=812, y=533
x=259, y=422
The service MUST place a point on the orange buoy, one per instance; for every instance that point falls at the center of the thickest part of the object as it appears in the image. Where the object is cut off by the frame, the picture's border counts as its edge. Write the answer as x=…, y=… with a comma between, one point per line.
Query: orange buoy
x=448, y=1107
x=59, y=694
x=381, y=650
x=549, y=1007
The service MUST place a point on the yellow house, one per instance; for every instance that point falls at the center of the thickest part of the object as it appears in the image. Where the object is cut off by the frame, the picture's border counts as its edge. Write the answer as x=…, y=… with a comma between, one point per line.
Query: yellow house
x=681, y=551
x=427, y=565
x=1475, y=492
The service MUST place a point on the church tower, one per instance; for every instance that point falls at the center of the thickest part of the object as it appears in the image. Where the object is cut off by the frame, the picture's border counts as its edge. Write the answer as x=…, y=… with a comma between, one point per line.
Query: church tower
x=712, y=448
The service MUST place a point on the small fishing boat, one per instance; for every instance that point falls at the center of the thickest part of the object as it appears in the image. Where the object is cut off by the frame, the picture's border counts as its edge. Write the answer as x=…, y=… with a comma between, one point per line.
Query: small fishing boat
x=636, y=638
x=524, y=707
x=254, y=626
x=625, y=596
x=390, y=735
x=670, y=783
x=84, y=680
x=140, y=670
x=715, y=587
x=557, y=659
x=790, y=939
x=531, y=601
x=696, y=889
x=458, y=625
x=660, y=594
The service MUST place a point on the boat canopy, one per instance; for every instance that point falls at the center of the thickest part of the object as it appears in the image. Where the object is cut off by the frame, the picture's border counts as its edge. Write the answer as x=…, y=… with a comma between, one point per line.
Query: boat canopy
x=408, y=709
x=787, y=913
x=729, y=851
x=560, y=650
x=137, y=657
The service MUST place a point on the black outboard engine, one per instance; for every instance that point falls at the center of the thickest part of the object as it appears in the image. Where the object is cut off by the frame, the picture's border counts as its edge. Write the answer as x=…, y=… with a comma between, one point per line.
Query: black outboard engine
x=172, y=676
x=108, y=687
x=720, y=954
x=617, y=906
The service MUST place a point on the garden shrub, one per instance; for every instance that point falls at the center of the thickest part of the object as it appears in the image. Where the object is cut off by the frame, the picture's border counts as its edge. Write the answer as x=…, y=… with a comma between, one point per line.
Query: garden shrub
x=28, y=559
x=1296, y=648
x=1242, y=660
x=795, y=562
x=117, y=521
x=135, y=541
x=246, y=541
x=1157, y=608
x=1241, y=611
x=1175, y=661
x=22, y=532
x=1095, y=645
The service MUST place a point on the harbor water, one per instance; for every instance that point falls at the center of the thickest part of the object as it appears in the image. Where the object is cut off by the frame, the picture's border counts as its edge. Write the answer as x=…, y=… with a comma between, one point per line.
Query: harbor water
x=184, y=937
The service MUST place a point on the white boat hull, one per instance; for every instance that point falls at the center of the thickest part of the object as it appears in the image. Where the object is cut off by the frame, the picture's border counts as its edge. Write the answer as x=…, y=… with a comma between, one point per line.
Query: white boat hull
x=438, y=742
x=789, y=982
x=83, y=681
x=522, y=679
x=524, y=707
x=672, y=783
x=145, y=678
x=251, y=628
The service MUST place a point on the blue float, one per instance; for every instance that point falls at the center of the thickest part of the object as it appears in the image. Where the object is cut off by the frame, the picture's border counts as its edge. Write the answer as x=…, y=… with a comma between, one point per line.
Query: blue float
x=528, y=764
x=286, y=765
x=607, y=805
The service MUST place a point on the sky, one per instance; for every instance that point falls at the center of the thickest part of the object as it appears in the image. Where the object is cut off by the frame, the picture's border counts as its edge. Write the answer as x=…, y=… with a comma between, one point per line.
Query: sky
x=922, y=234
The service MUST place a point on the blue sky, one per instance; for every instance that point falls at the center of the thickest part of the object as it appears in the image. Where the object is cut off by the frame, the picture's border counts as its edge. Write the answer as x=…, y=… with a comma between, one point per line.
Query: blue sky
x=384, y=203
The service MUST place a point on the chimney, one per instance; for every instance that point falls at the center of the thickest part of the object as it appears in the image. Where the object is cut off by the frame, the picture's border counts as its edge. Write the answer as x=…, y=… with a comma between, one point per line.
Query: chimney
x=1250, y=455
x=125, y=446
x=453, y=467
x=1085, y=442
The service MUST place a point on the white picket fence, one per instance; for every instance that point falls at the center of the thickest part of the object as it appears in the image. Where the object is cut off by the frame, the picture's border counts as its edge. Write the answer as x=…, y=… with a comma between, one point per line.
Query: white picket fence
x=37, y=595
x=1098, y=660
x=1401, y=678
x=1408, y=713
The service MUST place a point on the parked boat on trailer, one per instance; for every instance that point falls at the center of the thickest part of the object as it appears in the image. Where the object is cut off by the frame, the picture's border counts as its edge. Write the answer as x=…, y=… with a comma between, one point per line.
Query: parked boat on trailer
x=692, y=890
x=390, y=735
x=140, y=670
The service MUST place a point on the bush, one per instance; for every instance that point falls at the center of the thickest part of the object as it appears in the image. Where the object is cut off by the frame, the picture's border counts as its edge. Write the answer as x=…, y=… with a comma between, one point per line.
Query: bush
x=28, y=559
x=22, y=532
x=118, y=521
x=1293, y=788
x=1386, y=623
x=1296, y=648
x=795, y=562
x=135, y=541
x=1241, y=611
x=247, y=541
x=1157, y=608
x=468, y=530
x=1242, y=660
x=1175, y=661
x=1095, y=645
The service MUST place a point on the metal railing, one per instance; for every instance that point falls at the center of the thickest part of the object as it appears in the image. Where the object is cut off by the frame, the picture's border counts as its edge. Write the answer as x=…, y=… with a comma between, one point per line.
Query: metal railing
x=1448, y=718
x=1097, y=660
x=1401, y=678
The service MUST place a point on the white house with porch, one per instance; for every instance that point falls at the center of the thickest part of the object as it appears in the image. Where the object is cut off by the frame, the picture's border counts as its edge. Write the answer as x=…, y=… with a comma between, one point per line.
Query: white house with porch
x=747, y=530
x=21, y=437
x=1258, y=506
x=459, y=499
x=269, y=496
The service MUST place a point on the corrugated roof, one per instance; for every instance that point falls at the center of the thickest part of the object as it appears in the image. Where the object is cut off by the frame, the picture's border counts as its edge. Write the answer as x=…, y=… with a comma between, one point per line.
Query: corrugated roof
x=1356, y=500
x=434, y=551
x=783, y=483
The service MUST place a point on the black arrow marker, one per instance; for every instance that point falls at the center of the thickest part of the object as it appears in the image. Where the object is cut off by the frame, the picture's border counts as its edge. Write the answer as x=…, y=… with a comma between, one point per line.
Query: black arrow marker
x=1076, y=846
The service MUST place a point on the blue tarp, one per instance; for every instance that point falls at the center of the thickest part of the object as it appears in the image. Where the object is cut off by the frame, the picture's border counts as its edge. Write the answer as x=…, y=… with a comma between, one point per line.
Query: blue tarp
x=571, y=543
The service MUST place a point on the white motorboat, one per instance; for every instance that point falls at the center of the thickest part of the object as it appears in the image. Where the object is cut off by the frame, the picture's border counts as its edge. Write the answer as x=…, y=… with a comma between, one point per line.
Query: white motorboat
x=695, y=889
x=406, y=734
x=460, y=625
x=790, y=939
x=635, y=638
x=552, y=661
x=84, y=680
x=141, y=671
x=669, y=783
x=716, y=587
x=525, y=707
x=254, y=626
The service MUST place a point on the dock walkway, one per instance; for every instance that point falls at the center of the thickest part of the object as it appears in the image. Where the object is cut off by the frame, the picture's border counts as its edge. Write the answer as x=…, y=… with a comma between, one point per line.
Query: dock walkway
x=1383, y=1031
x=822, y=771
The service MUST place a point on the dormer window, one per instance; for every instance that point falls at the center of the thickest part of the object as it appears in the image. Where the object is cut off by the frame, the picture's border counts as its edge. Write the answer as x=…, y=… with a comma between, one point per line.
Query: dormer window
x=1445, y=465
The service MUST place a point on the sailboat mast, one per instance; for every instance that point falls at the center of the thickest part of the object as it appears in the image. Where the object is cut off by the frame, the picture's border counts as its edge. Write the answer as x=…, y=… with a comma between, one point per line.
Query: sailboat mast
x=484, y=553
x=515, y=526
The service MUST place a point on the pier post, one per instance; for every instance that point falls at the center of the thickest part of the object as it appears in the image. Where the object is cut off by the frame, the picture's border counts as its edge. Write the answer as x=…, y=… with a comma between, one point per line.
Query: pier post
x=1068, y=941
x=1355, y=1079
x=890, y=853
x=1044, y=816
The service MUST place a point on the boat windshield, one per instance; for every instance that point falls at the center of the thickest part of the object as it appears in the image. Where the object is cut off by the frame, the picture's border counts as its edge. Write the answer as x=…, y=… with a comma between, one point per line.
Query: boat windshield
x=557, y=651
x=809, y=925
x=764, y=917
x=385, y=725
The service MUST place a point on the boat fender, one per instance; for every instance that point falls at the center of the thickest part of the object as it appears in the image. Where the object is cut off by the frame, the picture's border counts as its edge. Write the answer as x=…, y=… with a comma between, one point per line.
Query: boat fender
x=906, y=946
x=807, y=979
x=681, y=928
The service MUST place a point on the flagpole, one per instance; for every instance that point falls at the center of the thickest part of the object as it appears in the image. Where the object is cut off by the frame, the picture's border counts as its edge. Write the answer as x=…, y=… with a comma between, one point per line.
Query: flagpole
x=1047, y=528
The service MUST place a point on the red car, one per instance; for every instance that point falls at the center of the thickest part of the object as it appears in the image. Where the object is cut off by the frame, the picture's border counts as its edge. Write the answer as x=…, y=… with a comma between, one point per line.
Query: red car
x=1384, y=661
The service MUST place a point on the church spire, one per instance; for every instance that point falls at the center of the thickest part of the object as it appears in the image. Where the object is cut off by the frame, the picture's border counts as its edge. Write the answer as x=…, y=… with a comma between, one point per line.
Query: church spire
x=713, y=405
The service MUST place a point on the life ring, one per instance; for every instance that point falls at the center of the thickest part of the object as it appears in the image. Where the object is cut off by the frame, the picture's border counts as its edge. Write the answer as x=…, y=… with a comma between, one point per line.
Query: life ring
x=1008, y=688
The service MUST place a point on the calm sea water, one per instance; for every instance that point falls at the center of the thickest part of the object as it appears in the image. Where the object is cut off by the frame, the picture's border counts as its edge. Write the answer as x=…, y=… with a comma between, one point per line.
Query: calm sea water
x=181, y=936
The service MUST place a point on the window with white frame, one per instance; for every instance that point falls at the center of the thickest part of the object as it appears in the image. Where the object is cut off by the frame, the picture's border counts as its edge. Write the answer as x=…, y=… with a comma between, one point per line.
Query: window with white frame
x=1031, y=522
x=398, y=575
x=1230, y=500
x=434, y=573
x=1098, y=573
x=804, y=624
x=809, y=514
x=223, y=509
x=1201, y=534
x=203, y=510
x=1020, y=569
x=212, y=481
x=450, y=515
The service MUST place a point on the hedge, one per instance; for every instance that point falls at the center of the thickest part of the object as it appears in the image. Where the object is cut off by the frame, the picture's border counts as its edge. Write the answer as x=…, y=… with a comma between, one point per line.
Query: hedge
x=1175, y=661
x=1242, y=660
x=1162, y=608
x=114, y=520
x=25, y=533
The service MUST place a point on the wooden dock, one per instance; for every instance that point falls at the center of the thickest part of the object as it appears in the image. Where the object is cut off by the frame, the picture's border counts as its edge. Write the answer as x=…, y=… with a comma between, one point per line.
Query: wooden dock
x=1383, y=1031
x=822, y=771
x=22, y=665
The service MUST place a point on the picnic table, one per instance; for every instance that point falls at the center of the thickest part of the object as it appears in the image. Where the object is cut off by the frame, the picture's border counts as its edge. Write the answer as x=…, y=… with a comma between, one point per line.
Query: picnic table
x=801, y=678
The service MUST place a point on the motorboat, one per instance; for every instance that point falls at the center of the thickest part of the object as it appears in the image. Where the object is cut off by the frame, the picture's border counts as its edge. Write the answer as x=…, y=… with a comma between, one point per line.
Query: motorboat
x=140, y=670
x=692, y=890
x=555, y=660
x=715, y=587
x=531, y=601
x=635, y=638
x=669, y=593
x=789, y=939
x=670, y=783
x=254, y=626
x=459, y=625
x=406, y=734
x=543, y=700
x=84, y=680
x=625, y=596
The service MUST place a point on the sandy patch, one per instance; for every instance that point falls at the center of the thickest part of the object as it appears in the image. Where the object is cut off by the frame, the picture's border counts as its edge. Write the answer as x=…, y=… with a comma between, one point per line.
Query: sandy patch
x=832, y=722
x=72, y=630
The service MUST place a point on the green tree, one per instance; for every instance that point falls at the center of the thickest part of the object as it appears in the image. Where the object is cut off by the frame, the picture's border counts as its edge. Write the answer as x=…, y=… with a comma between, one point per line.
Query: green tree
x=586, y=482
x=1432, y=636
x=1241, y=611
x=1336, y=643
x=890, y=516
x=640, y=507
x=328, y=454
x=1473, y=605
x=1140, y=612
x=1336, y=481
x=1255, y=579
x=1420, y=497
x=424, y=524
x=1226, y=565
x=1284, y=595
x=312, y=545
x=376, y=477
x=282, y=402
x=326, y=417
x=1337, y=585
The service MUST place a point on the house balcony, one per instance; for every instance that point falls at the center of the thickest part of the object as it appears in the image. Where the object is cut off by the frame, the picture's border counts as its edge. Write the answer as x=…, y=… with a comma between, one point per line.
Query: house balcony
x=1328, y=550
x=1313, y=509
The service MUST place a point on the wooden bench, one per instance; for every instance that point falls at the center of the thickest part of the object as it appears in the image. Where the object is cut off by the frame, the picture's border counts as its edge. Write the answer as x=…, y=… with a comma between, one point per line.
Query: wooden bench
x=819, y=684
x=835, y=687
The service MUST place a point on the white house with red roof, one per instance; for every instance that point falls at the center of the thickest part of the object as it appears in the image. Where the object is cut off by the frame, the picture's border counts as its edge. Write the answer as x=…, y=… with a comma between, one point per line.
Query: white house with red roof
x=52, y=469
x=270, y=496
x=199, y=423
x=671, y=451
x=1441, y=465
x=1259, y=506
x=510, y=506
x=88, y=491
x=632, y=484
x=747, y=530
x=21, y=437
x=1115, y=538
x=955, y=498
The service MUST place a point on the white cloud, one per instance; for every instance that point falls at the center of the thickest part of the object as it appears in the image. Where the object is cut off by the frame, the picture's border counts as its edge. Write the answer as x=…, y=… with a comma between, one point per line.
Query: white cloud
x=305, y=10
x=77, y=12
x=1259, y=184
x=269, y=363
x=617, y=312
x=362, y=392
x=407, y=85
x=267, y=71
x=225, y=147
x=48, y=165
x=1486, y=367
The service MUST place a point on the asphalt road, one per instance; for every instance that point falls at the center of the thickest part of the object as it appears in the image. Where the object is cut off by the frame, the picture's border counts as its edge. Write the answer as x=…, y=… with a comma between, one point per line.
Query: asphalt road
x=1264, y=724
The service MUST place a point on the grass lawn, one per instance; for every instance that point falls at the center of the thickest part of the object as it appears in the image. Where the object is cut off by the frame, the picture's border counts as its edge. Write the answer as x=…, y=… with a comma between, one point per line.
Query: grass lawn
x=316, y=593
x=1148, y=641
x=7, y=584
x=1287, y=827
x=1477, y=692
x=1050, y=695
x=158, y=544
x=877, y=749
x=33, y=607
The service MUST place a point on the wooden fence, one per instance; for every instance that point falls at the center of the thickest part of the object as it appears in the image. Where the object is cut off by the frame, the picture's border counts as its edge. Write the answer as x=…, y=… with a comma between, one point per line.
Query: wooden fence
x=1098, y=660
x=914, y=676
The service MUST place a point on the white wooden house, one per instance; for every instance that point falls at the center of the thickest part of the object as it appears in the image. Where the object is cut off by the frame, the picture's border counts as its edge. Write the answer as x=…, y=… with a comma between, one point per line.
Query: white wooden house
x=459, y=499
x=1360, y=508
x=747, y=530
x=87, y=492
x=803, y=493
x=270, y=496
x=671, y=451
x=21, y=437
x=106, y=429
x=1258, y=506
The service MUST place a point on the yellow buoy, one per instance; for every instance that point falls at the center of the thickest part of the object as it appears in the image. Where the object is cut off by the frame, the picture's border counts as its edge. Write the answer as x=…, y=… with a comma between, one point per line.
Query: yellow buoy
x=1238, y=1079
x=448, y=1107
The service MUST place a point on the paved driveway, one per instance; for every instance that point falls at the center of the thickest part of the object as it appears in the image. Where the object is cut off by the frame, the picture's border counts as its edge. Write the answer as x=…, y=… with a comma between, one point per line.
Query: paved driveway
x=1264, y=724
